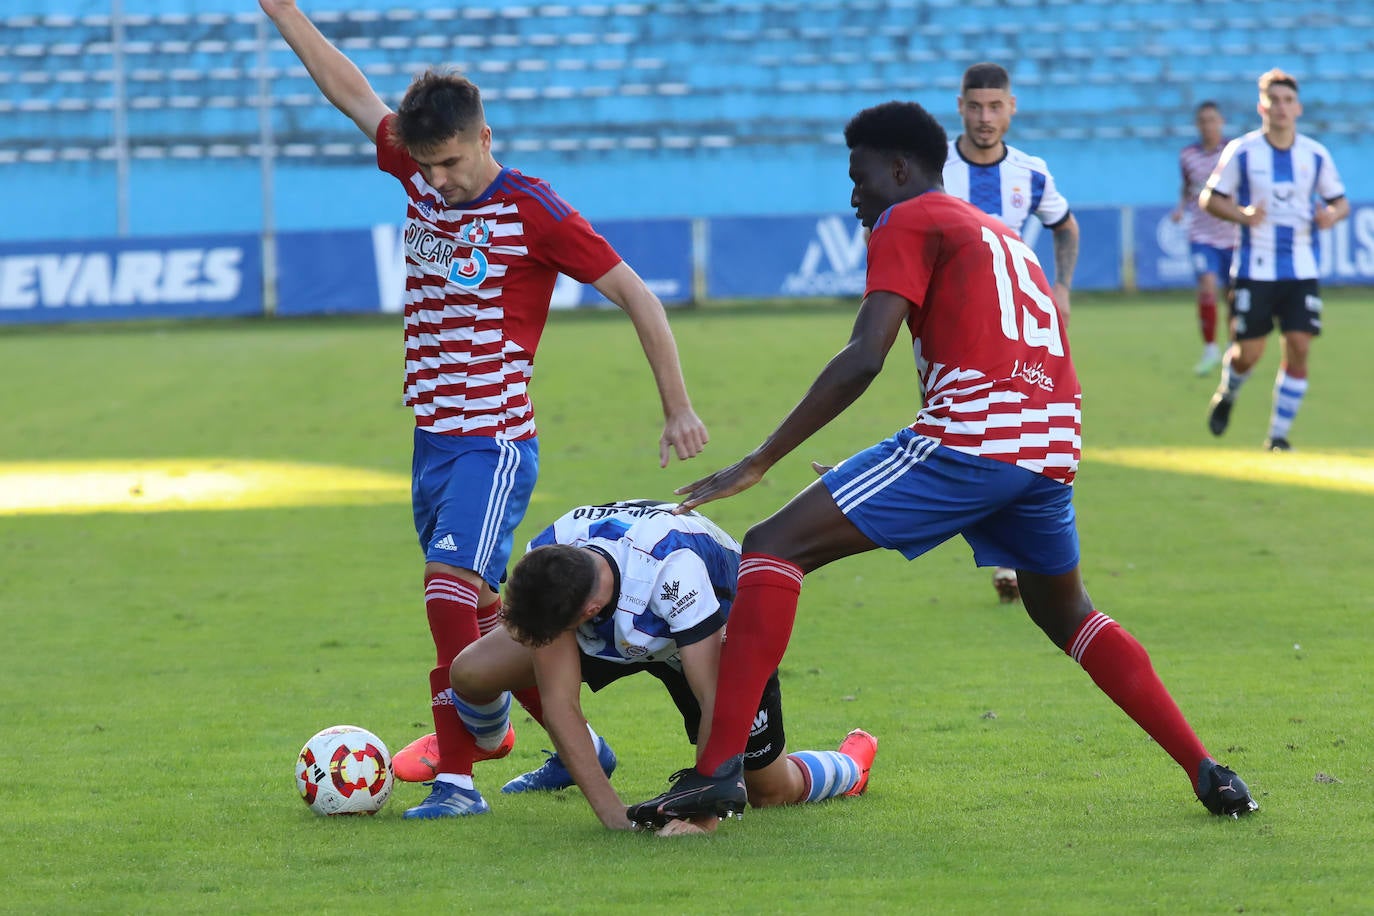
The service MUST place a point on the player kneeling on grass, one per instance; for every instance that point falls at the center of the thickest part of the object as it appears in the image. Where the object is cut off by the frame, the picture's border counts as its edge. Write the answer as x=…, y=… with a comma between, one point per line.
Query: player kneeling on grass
x=612, y=590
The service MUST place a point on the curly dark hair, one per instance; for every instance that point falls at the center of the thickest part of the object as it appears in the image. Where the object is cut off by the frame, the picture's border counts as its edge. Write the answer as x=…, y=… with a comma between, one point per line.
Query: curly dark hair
x=546, y=591
x=438, y=104
x=901, y=127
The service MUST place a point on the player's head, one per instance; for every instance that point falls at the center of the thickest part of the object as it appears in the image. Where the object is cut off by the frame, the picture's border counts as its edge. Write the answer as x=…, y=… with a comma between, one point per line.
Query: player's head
x=986, y=104
x=897, y=150
x=551, y=590
x=1210, y=124
x=1279, y=106
x=441, y=124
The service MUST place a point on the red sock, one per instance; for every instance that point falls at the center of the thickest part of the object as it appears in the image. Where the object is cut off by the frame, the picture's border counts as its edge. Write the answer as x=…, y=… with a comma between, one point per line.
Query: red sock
x=1207, y=316
x=488, y=619
x=760, y=625
x=451, y=605
x=1121, y=667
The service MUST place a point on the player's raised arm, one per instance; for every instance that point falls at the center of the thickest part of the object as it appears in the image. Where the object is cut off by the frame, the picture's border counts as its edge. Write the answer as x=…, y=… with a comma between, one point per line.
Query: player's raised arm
x=844, y=378
x=683, y=431
x=339, y=78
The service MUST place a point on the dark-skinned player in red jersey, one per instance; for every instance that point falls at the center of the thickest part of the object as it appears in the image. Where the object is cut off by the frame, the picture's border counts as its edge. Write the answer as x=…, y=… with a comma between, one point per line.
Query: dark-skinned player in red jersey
x=991, y=457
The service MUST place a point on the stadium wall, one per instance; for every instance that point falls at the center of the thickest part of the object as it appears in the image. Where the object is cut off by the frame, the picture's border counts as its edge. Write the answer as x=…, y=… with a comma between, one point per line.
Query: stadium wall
x=361, y=270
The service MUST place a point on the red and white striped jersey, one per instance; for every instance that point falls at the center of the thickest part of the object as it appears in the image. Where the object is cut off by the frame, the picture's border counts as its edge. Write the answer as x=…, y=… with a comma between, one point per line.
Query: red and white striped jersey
x=479, y=277
x=996, y=375
x=1196, y=164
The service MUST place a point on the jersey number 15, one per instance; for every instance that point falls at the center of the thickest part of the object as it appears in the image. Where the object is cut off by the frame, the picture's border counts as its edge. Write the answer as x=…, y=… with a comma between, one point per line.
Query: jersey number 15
x=1039, y=319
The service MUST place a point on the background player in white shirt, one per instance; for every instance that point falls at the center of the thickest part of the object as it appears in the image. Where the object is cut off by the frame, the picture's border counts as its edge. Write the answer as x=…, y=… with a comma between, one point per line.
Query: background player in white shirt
x=1211, y=241
x=1281, y=187
x=1012, y=185
x=611, y=590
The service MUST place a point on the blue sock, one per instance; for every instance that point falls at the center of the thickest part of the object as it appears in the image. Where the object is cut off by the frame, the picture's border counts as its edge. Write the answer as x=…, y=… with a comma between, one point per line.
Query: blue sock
x=488, y=722
x=828, y=773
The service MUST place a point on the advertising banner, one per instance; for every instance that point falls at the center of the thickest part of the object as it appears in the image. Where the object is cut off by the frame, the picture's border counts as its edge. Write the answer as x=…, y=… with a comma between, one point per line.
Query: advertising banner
x=1163, y=261
x=115, y=279
x=826, y=255
x=363, y=270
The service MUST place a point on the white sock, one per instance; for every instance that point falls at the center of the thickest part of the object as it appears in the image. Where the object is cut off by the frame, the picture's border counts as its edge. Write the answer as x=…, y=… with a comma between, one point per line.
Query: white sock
x=458, y=779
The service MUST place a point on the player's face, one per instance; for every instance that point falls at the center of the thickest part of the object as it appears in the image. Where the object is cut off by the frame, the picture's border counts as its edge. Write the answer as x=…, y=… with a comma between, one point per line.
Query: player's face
x=458, y=168
x=1279, y=107
x=1209, y=126
x=987, y=115
x=875, y=184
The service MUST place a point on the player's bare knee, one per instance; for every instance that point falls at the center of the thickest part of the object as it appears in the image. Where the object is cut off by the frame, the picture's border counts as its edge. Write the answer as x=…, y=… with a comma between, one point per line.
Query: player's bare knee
x=765, y=537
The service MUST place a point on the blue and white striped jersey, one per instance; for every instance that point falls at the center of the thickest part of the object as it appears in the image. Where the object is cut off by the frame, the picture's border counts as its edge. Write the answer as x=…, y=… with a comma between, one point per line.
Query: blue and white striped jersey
x=1010, y=189
x=675, y=577
x=1284, y=245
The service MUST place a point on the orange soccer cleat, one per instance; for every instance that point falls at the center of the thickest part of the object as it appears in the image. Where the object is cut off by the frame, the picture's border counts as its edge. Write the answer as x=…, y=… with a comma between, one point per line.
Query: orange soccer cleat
x=863, y=747
x=418, y=761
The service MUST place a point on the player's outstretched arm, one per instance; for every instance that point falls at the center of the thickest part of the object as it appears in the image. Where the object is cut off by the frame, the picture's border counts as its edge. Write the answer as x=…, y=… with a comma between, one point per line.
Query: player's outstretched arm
x=683, y=431
x=558, y=673
x=840, y=383
x=339, y=78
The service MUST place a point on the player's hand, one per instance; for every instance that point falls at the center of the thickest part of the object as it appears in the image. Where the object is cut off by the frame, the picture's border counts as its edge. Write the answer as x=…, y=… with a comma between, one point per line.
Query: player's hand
x=1176, y=215
x=1062, y=301
x=1254, y=214
x=1325, y=217
x=739, y=476
x=697, y=826
x=820, y=469
x=273, y=7
x=684, y=433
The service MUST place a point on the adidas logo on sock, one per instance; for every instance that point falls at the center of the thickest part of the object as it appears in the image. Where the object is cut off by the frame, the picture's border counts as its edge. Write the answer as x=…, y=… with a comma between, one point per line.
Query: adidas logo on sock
x=445, y=543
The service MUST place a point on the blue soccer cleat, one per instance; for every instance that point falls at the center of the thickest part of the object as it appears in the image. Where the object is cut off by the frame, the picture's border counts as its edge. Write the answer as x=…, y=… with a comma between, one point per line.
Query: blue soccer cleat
x=552, y=775
x=449, y=800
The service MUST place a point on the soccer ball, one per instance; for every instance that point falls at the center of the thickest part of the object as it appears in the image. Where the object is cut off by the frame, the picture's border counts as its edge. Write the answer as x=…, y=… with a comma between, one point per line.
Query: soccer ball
x=344, y=770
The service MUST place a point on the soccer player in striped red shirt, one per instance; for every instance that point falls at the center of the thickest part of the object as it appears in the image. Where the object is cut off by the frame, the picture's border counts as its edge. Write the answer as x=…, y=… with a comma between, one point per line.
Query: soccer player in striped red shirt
x=484, y=246
x=991, y=457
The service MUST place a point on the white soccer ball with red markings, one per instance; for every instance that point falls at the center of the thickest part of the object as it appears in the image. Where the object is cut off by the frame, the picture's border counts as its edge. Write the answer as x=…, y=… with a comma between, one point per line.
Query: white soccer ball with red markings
x=344, y=770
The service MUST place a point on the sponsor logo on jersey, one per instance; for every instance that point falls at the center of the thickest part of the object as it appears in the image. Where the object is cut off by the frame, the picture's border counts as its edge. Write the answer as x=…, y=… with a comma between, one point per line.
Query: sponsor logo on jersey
x=1034, y=375
x=438, y=250
x=834, y=262
x=670, y=590
x=683, y=603
x=633, y=651
x=115, y=278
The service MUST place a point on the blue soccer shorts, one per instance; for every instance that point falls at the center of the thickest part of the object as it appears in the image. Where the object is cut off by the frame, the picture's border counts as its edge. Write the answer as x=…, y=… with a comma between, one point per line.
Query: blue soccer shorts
x=909, y=493
x=1208, y=259
x=469, y=493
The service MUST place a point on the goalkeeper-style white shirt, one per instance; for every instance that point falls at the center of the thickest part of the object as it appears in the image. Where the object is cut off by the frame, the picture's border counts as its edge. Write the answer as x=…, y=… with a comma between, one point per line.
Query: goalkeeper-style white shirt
x=675, y=577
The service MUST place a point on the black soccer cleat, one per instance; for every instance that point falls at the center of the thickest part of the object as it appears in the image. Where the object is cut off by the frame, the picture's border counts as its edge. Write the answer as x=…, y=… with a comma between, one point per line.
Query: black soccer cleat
x=1219, y=413
x=1277, y=444
x=693, y=795
x=1222, y=792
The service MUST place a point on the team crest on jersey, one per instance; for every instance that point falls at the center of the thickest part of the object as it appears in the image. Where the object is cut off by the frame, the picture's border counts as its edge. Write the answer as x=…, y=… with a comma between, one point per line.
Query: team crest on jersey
x=476, y=234
x=1018, y=200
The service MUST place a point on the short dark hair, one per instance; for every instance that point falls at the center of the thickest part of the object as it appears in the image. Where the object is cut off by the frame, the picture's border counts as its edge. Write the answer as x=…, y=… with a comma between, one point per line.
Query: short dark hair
x=437, y=105
x=1277, y=77
x=901, y=127
x=1205, y=105
x=546, y=591
x=986, y=76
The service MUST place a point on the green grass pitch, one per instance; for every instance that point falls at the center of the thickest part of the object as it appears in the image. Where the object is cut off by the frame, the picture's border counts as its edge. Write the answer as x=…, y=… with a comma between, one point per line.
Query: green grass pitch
x=160, y=670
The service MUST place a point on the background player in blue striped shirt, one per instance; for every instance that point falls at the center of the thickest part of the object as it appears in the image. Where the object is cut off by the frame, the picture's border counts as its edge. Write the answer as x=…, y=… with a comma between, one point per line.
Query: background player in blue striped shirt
x=1281, y=187
x=1012, y=185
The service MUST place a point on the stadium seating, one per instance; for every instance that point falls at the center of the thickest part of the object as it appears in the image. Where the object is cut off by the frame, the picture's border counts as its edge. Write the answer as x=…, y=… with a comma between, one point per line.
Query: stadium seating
x=575, y=80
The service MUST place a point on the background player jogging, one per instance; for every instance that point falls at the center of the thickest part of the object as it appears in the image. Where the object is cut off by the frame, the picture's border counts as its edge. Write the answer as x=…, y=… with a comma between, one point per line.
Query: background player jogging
x=991, y=457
